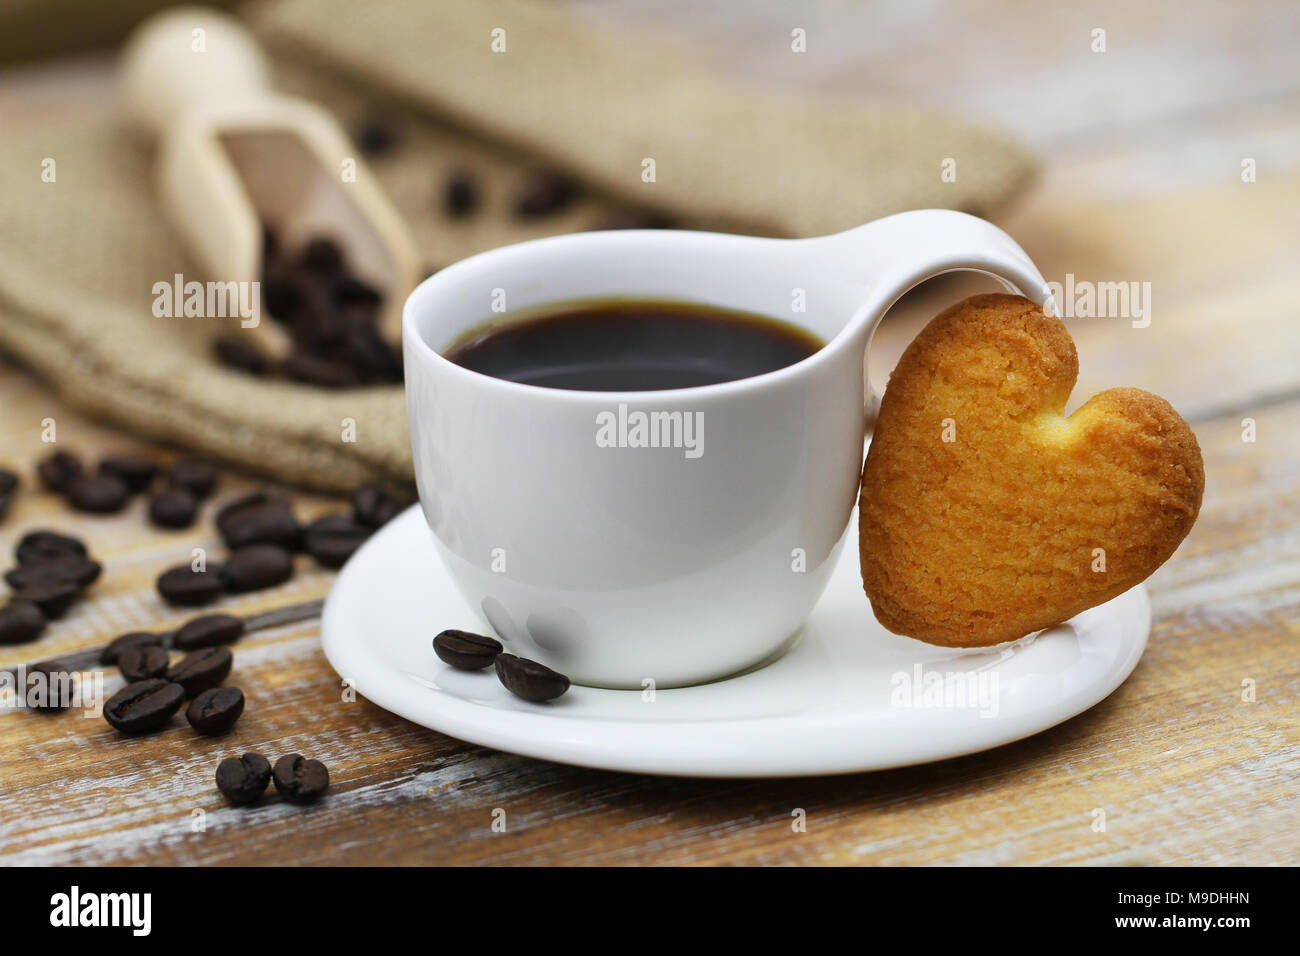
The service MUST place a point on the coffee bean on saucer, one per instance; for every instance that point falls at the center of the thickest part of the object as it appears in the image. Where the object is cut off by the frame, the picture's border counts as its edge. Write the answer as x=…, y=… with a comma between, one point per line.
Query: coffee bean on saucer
x=466, y=651
x=54, y=599
x=197, y=672
x=260, y=518
x=182, y=586
x=255, y=567
x=38, y=546
x=322, y=257
x=173, y=508
x=373, y=507
x=143, y=706
x=544, y=194
x=97, y=494
x=144, y=662
x=133, y=639
x=529, y=679
x=20, y=622
x=459, y=195
x=215, y=710
x=233, y=352
x=210, y=630
x=133, y=471
x=67, y=570
x=56, y=470
x=331, y=540
x=243, y=779
x=196, y=476
x=49, y=686
x=300, y=780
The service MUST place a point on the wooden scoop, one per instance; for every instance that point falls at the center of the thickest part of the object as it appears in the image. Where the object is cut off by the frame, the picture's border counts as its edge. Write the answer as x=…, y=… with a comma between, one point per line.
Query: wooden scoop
x=233, y=154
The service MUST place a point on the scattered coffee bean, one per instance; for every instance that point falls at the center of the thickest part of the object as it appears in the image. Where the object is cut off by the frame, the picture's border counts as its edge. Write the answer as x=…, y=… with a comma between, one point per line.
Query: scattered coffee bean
x=331, y=540
x=98, y=494
x=49, y=686
x=20, y=622
x=257, y=566
x=260, y=518
x=373, y=507
x=197, y=672
x=322, y=257
x=58, y=469
x=210, y=630
x=182, y=586
x=196, y=476
x=38, y=546
x=173, y=508
x=215, y=710
x=376, y=138
x=133, y=639
x=143, y=706
x=529, y=679
x=243, y=779
x=68, y=570
x=143, y=662
x=300, y=780
x=54, y=599
x=324, y=373
x=234, y=352
x=544, y=194
x=460, y=195
x=466, y=651
x=133, y=471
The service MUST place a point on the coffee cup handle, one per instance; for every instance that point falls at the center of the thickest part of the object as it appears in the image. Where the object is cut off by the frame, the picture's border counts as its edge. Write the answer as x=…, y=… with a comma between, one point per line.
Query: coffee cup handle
x=899, y=252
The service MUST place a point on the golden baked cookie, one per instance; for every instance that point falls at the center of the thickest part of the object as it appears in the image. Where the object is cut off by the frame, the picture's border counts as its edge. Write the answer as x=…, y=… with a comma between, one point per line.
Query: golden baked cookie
x=985, y=514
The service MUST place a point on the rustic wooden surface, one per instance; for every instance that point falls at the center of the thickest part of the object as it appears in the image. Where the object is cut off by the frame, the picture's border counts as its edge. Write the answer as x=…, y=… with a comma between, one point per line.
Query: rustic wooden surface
x=1142, y=182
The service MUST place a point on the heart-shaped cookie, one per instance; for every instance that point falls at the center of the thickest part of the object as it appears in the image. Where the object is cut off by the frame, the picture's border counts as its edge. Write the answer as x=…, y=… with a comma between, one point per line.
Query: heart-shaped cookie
x=985, y=514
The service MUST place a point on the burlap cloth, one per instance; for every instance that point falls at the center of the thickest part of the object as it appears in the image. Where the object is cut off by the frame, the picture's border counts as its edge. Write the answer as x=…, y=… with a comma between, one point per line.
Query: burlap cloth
x=79, y=256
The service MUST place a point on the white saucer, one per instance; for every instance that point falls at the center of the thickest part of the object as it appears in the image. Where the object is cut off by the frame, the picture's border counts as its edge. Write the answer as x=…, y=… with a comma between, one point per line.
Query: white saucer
x=837, y=702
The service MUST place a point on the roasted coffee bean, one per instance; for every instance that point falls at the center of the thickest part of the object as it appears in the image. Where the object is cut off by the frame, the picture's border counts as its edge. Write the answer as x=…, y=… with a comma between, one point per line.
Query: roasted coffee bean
x=460, y=195
x=332, y=539
x=53, y=599
x=373, y=507
x=259, y=519
x=133, y=639
x=197, y=672
x=173, y=508
x=323, y=373
x=376, y=137
x=38, y=546
x=544, y=194
x=466, y=651
x=257, y=566
x=243, y=779
x=529, y=679
x=284, y=296
x=49, y=686
x=69, y=570
x=300, y=780
x=210, y=630
x=143, y=706
x=350, y=290
x=322, y=257
x=98, y=494
x=215, y=711
x=182, y=586
x=196, y=476
x=144, y=662
x=233, y=352
x=20, y=622
x=372, y=359
x=58, y=469
x=134, y=472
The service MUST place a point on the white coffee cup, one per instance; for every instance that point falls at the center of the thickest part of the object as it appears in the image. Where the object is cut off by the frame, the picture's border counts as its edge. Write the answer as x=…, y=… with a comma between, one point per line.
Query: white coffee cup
x=680, y=564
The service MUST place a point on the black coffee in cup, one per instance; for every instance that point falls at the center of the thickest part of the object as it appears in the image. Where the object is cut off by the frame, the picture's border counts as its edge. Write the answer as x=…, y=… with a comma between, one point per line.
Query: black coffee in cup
x=633, y=345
